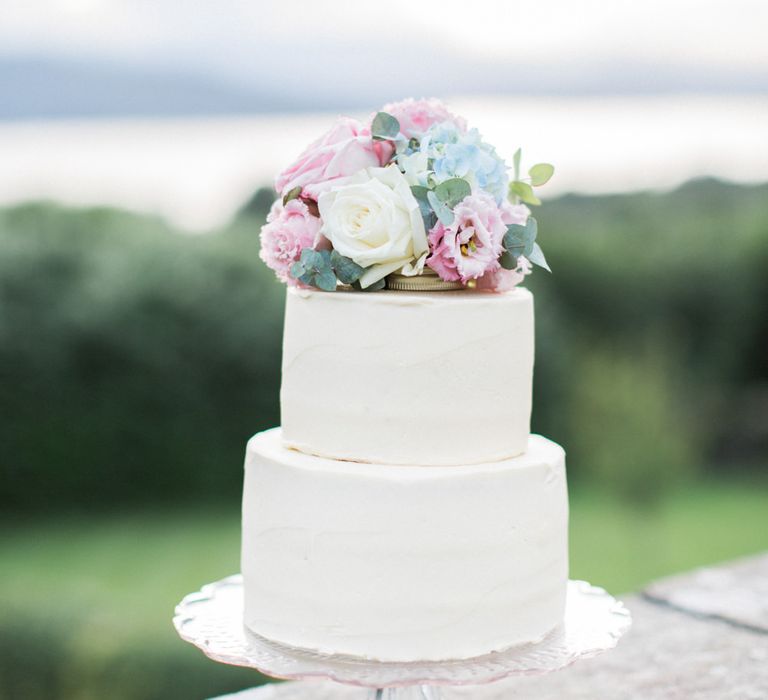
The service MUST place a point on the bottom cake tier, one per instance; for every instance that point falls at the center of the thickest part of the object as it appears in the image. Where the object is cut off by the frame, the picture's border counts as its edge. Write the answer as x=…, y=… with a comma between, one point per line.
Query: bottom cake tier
x=403, y=563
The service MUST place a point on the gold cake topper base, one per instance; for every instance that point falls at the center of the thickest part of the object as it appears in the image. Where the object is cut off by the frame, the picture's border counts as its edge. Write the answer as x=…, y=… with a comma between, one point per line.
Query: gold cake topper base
x=426, y=281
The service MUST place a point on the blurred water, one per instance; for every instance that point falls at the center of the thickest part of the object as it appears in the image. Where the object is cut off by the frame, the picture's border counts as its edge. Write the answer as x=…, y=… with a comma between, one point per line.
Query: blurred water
x=197, y=172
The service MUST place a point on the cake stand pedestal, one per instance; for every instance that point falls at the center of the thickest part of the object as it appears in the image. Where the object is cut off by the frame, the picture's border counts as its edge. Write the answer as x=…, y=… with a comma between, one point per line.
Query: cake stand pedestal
x=212, y=620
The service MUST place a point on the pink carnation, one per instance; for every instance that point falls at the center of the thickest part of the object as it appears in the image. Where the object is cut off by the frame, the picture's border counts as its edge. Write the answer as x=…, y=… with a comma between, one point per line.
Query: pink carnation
x=289, y=229
x=470, y=247
x=416, y=116
x=342, y=151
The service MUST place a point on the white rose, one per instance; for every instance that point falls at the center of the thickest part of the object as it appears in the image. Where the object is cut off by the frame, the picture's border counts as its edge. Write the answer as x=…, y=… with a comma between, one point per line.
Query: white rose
x=373, y=218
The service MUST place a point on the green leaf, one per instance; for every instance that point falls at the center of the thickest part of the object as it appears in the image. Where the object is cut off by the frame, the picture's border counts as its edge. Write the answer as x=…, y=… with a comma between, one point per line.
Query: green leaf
x=374, y=287
x=531, y=231
x=311, y=259
x=541, y=173
x=515, y=240
x=524, y=191
x=325, y=280
x=452, y=191
x=536, y=256
x=297, y=270
x=519, y=240
x=291, y=194
x=441, y=210
x=346, y=269
x=420, y=195
x=508, y=261
x=384, y=127
x=516, y=162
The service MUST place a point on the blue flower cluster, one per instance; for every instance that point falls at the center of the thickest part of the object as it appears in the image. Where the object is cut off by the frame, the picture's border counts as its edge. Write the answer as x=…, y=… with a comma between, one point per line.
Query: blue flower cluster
x=453, y=153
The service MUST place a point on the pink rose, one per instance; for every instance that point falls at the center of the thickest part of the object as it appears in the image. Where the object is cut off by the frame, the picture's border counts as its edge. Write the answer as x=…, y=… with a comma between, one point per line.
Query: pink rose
x=289, y=229
x=470, y=247
x=416, y=116
x=342, y=151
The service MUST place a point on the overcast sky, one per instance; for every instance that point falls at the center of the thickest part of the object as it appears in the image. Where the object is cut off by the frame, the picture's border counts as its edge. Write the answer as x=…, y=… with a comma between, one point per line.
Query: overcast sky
x=307, y=39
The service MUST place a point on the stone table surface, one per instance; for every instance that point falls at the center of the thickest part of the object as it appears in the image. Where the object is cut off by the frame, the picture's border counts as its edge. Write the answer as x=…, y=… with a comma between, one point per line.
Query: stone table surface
x=696, y=636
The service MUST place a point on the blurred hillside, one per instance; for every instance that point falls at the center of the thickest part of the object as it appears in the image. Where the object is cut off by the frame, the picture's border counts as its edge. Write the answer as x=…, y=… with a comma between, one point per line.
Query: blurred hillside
x=135, y=362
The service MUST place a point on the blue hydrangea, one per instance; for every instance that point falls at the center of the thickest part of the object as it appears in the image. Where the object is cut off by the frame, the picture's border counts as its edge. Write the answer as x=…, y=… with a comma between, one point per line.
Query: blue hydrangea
x=453, y=153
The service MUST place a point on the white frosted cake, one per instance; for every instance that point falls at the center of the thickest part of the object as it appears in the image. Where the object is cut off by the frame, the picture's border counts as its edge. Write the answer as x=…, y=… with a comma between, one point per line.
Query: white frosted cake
x=450, y=554
x=403, y=511
x=378, y=377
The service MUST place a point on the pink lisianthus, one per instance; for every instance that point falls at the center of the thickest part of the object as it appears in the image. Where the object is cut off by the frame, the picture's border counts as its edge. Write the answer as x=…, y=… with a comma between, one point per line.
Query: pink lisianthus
x=416, y=116
x=342, y=151
x=289, y=229
x=514, y=213
x=502, y=280
x=470, y=247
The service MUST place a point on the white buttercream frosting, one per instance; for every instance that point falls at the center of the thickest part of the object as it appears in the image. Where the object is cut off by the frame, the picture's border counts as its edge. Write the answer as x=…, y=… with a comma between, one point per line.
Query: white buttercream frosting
x=393, y=377
x=403, y=562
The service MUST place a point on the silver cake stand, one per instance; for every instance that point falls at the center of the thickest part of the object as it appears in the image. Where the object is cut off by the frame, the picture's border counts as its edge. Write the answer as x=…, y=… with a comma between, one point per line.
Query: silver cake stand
x=212, y=620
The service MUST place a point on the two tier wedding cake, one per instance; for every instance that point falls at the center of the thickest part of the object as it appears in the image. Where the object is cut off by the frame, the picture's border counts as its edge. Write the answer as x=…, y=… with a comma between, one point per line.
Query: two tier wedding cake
x=403, y=511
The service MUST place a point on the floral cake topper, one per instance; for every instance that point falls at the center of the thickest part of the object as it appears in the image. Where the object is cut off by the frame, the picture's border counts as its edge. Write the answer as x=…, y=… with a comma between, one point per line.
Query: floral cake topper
x=412, y=190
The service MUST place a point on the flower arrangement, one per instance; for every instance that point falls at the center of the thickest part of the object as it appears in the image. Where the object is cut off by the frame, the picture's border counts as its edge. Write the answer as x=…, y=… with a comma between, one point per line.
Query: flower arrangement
x=413, y=188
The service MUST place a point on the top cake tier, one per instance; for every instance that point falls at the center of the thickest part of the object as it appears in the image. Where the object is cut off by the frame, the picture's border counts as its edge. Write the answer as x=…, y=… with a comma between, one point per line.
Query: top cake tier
x=392, y=377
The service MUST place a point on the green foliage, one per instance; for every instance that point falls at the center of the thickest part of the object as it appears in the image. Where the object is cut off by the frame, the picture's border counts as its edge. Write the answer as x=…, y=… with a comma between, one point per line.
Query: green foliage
x=134, y=361
x=420, y=194
x=630, y=432
x=322, y=268
x=451, y=192
x=522, y=191
x=345, y=269
x=442, y=211
x=314, y=269
x=385, y=127
x=541, y=174
x=521, y=240
x=641, y=266
x=295, y=193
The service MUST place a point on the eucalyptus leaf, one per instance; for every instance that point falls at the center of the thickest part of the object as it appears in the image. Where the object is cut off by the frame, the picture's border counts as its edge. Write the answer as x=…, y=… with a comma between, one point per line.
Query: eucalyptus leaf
x=541, y=173
x=420, y=194
x=536, y=256
x=325, y=280
x=311, y=259
x=384, y=127
x=374, y=287
x=524, y=191
x=452, y=191
x=291, y=194
x=516, y=162
x=307, y=278
x=297, y=270
x=441, y=210
x=519, y=240
x=532, y=230
x=508, y=261
x=346, y=269
x=325, y=257
x=515, y=240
